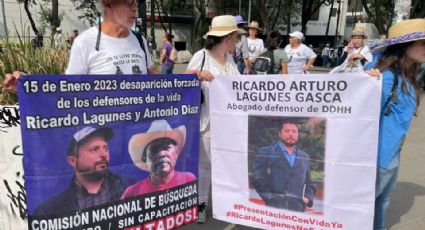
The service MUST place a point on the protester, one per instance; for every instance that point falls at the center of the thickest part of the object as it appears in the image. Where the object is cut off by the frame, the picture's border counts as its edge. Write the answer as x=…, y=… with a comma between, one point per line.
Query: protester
x=301, y=57
x=281, y=172
x=356, y=54
x=255, y=45
x=57, y=38
x=280, y=59
x=325, y=55
x=166, y=64
x=93, y=183
x=156, y=152
x=104, y=49
x=211, y=61
x=241, y=53
x=71, y=39
x=398, y=61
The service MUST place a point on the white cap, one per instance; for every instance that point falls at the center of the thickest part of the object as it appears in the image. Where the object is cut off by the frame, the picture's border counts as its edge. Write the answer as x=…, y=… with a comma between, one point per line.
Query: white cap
x=58, y=29
x=297, y=34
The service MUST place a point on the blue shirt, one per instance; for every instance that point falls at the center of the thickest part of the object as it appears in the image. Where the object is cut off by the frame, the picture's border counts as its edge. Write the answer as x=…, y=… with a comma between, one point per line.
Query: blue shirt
x=394, y=126
x=290, y=157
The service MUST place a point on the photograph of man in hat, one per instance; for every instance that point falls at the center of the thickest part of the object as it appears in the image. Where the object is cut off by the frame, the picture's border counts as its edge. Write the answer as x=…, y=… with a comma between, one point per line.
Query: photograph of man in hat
x=281, y=172
x=156, y=152
x=356, y=54
x=93, y=183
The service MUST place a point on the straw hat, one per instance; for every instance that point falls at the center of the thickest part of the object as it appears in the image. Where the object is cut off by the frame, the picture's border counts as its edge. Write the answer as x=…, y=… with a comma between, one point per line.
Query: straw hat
x=158, y=129
x=254, y=25
x=358, y=31
x=404, y=31
x=223, y=25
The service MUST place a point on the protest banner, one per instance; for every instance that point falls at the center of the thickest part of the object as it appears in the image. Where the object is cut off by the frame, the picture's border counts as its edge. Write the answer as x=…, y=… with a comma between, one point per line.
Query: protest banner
x=108, y=152
x=13, y=213
x=297, y=152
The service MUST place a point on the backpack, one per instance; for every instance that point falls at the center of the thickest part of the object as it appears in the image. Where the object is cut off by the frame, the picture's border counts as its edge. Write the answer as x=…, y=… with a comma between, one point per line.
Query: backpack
x=263, y=64
x=173, y=55
x=142, y=45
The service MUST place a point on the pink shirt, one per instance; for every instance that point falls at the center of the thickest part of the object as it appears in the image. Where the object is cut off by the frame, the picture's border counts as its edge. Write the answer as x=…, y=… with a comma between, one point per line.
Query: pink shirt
x=145, y=186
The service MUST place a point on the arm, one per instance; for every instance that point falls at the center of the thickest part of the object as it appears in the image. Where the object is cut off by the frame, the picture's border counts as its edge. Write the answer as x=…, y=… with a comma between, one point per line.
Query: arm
x=284, y=68
x=260, y=178
x=10, y=82
x=309, y=64
x=203, y=75
x=163, y=55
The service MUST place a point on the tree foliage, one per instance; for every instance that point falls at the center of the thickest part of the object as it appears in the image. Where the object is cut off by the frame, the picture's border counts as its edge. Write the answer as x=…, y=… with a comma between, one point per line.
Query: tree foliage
x=88, y=10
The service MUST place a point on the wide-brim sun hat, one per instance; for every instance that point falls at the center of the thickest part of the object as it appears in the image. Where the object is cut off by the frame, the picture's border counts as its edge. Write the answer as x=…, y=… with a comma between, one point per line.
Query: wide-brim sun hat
x=254, y=25
x=157, y=129
x=223, y=25
x=404, y=31
x=358, y=31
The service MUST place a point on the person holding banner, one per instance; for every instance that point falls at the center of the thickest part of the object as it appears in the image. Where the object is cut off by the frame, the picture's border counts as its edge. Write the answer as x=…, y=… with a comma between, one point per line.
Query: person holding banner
x=156, y=151
x=398, y=61
x=109, y=48
x=213, y=60
x=281, y=172
x=93, y=183
x=301, y=57
x=356, y=54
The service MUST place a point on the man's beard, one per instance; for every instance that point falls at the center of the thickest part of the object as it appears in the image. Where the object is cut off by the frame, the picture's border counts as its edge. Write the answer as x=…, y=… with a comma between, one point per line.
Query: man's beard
x=93, y=174
x=157, y=167
x=289, y=144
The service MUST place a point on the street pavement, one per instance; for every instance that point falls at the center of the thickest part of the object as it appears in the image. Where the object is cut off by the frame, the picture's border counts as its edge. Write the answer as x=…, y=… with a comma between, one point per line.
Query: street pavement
x=407, y=209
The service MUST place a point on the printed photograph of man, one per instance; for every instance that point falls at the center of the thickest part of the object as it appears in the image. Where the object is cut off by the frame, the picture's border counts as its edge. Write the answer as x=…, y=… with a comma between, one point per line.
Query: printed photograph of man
x=93, y=183
x=281, y=171
x=156, y=152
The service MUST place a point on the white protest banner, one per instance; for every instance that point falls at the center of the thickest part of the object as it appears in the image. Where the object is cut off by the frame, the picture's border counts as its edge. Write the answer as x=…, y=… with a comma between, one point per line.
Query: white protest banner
x=295, y=152
x=13, y=207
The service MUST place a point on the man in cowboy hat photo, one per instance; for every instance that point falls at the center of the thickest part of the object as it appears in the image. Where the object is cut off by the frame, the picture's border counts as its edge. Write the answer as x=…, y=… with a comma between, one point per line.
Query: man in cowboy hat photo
x=356, y=53
x=93, y=183
x=156, y=152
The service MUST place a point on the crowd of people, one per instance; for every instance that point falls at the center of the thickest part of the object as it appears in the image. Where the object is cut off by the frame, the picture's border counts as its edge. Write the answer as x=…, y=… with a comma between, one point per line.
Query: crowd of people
x=231, y=50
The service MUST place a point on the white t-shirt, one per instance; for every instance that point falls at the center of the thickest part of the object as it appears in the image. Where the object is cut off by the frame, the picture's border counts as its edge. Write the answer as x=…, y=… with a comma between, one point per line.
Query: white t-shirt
x=298, y=57
x=216, y=69
x=326, y=51
x=358, y=67
x=115, y=55
x=255, y=48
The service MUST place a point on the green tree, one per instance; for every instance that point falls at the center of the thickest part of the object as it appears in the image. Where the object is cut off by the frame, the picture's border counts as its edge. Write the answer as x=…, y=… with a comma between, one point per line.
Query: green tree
x=88, y=10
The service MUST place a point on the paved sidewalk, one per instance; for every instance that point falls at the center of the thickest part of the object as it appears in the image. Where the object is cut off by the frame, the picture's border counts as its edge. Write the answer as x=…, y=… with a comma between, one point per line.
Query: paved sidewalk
x=407, y=210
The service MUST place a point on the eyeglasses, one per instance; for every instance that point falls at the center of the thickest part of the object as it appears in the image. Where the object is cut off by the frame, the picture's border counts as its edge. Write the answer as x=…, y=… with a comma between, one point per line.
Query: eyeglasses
x=130, y=2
